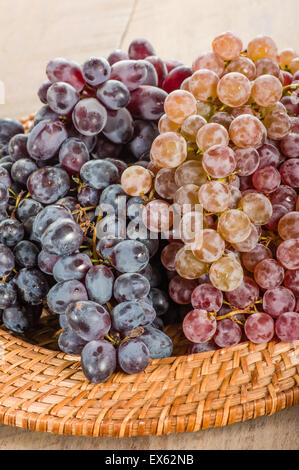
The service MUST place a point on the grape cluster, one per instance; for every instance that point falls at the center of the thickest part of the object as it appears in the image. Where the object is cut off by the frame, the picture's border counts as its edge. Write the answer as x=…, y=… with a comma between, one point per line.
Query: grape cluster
x=147, y=192
x=226, y=163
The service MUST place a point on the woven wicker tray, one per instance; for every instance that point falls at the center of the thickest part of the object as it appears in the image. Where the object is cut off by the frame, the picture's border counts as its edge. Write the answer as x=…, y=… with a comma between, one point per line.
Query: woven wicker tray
x=43, y=389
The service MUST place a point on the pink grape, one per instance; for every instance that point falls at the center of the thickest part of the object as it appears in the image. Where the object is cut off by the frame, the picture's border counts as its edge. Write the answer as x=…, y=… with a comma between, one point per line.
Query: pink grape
x=291, y=281
x=254, y=256
x=247, y=161
x=190, y=172
x=289, y=172
x=288, y=225
x=234, y=226
x=278, y=124
x=267, y=66
x=214, y=196
x=250, y=242
x=290, y=145
x=179, y=105
x=165, y=184
x=223, y=118
x=242, y=65
x=180, y=289
x=211, y=134
x=246, y=294
x=203, y=84
x=199, y=326
x=269, y=155
x=287, y=326
x=157, y=216
x=166, y=125
x=266, y=180
x=228, y=333
x=260, y=47
x=234, y=89
x=169, y=150
x=268, y=274
x=285, y=196
x=219, y=161
x=278, y=300
x=207, y=297
x=266, y=90
x=168, y=254
x=288, y=253
x=226, y=274
x=246, y=131
x=196, y=348
x=227, y=45
x=278, y=211
x=257, y=206
x=191, y=126
x=212, y=247
x=210, y=61
x=259, y=327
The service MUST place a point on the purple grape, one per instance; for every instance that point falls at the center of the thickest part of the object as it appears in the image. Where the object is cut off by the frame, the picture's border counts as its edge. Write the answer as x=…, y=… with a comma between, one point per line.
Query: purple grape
x=16, y=319
x=99, y=173
x=89, y=117
x=144, y=134
x=46, y=217
x=99, y=283
x=147, y=102
x=74, y=266
x=98, y=359
x=45, y=139
x=17, y=147
x=160, y=68
x=176, y=77
x=119, y=127
x=26, y=253
x=8, y=295
x=113, y=198
x=7, y=261
x=269, y=155
x=4, y=196
x=131, y=286
x=72, y=155
x=46, y=261
x=45, y=113
x=106, y=245
x=62, y=237
x=130, y=256
x=160, y=301
x=152, y=76
x=32, y=285
x=5, y=177
x=140, y=48
x=158, y=343
x=62, y=97
x=104, y=148
x=88, y=319
x=131, y=73
x=8, y=128
x=88, y=196
x=113, y=94
x=42, y=91
x=64, y=70
x=133, y=356
x=116, y=56
x=126, y=316
x=11, y=232
x=96, y=70
x=63, y=293
x=22, y=169
x=48, y=184
x=69, y=342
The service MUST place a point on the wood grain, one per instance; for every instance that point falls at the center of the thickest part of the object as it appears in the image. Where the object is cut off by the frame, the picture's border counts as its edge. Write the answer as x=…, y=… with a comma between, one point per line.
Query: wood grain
x=31, y=33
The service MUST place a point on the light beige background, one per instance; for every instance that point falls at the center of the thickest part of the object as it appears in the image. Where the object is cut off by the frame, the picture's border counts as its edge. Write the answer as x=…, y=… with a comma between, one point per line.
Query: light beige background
x=34, y=31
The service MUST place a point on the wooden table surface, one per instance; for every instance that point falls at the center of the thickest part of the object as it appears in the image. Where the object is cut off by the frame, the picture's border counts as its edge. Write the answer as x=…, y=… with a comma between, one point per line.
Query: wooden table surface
x=32, y=33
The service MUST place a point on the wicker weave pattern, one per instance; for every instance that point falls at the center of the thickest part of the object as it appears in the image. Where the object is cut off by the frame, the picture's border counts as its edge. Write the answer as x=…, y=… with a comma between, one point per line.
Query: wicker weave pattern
x=45, y=390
